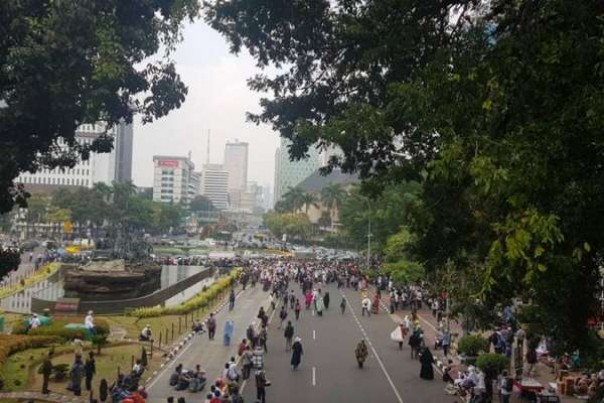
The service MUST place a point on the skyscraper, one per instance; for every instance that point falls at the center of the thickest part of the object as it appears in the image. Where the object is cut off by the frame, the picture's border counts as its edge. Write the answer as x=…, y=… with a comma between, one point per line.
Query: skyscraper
x=289, y=174
x=235, y=163
x=114, y=166
x=122, y=145
x=214, y=185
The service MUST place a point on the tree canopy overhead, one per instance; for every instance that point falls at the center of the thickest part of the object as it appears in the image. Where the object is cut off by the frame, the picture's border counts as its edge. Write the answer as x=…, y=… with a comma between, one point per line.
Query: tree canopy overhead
x=495, y=107
x=64, y=63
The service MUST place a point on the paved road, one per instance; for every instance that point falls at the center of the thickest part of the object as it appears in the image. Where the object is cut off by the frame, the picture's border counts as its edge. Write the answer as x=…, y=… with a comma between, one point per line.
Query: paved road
x=329, y=372
x=211, y=355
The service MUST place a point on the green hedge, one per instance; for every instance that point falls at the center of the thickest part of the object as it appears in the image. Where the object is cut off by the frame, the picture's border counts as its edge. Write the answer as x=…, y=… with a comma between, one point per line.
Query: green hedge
x=57, y=328
x=201, y=300
x=11, y=344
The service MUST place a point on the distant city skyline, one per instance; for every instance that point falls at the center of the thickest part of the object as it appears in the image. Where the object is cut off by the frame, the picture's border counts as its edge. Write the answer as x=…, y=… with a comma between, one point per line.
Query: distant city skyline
x=218, y=100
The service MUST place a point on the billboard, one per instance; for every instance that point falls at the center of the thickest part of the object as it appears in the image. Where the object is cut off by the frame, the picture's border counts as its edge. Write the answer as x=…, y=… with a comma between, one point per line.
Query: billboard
x=167, y=163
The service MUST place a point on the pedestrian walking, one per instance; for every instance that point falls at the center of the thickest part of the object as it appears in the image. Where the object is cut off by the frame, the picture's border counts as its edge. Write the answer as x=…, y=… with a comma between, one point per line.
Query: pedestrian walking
x=232, y=300
x=250, y=333
x=319, y=305
x=446, y=342
x=289, y=334
x=326, y=300
x=211, y=323
x=282, y=316
x=343, y=305
x=75, y=376
x=297, y=352
x=246, y=362
x=46, y=372
x=361, y=353
x=262, y=338
x=89, y=370
x=297, y=309
x=261, y=383
x=426, y=359
x=398, y=335
x=366, y=306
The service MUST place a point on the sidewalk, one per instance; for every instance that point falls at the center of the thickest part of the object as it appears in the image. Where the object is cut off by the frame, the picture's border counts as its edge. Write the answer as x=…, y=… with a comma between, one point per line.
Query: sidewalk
x=429, y=324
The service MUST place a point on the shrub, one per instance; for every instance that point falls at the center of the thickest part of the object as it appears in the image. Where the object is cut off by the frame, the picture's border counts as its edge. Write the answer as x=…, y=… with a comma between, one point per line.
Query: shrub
x=57, y=328
x=492, y=364
x=472, y=345
x=11, y=344
x=201, y=300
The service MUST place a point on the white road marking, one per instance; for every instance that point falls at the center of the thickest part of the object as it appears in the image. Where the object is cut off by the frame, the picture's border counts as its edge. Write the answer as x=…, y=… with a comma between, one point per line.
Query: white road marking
x=375, y=354
x=314, y=376
x=314, y=335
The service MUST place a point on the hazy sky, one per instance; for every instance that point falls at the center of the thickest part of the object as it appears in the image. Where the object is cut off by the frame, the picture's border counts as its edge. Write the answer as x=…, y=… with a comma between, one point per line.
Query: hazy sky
x=218, y=99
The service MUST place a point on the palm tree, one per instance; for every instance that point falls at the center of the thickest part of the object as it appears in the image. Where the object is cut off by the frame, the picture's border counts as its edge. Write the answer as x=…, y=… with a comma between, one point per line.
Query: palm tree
x=309, y=199
x=294, y=198
x=332, y=197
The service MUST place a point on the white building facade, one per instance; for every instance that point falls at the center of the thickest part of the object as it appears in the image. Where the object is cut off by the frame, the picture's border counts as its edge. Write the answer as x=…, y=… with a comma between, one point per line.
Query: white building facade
x=214, y=185
x=115, y=166
x=174, y=179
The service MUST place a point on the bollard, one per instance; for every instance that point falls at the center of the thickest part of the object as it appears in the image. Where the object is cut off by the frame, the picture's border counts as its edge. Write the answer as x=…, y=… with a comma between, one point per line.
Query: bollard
x=160, y=334
x=172, y=332
x=179, y=323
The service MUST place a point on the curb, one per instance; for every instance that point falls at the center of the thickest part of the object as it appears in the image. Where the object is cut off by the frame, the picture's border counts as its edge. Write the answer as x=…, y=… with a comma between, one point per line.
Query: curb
x=184, y=339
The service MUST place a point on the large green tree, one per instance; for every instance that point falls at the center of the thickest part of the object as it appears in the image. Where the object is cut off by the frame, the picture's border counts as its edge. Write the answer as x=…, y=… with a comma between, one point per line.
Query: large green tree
x=496, y=107
x=64, y=63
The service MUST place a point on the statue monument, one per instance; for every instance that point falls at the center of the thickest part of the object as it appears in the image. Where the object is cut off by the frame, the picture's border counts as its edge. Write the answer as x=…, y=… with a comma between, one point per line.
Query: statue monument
x=124, y=273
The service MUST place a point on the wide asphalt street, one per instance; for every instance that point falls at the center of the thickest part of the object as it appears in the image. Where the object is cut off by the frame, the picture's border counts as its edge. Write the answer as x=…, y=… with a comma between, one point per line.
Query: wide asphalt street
x=329, y=372
x=211, y=355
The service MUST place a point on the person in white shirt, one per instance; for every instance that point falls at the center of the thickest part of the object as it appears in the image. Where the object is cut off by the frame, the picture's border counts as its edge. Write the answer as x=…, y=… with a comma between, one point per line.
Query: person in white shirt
x=34, y=321
x=366, y=306
x=89, y=322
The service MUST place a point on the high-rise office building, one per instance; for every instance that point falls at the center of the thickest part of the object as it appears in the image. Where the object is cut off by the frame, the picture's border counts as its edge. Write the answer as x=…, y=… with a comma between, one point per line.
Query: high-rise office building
x=235, y=163
x=214, y=185
x=114, y=166
x=123, y=143
x=174, y=179
x=289, y=174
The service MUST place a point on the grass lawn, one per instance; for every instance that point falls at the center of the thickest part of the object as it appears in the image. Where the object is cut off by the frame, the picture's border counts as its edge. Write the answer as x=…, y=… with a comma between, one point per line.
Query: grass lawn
x=16, y=369
x=133, y=326
x=106, y=366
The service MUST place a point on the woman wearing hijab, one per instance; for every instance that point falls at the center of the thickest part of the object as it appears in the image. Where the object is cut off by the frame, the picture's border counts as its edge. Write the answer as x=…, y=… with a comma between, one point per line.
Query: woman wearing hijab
x=297, y=352
x=426, y=359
